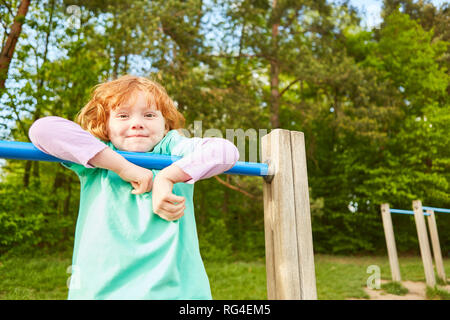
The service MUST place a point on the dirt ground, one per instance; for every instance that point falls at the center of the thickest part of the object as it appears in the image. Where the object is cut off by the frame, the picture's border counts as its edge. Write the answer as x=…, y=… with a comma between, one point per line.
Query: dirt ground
x=417, y=291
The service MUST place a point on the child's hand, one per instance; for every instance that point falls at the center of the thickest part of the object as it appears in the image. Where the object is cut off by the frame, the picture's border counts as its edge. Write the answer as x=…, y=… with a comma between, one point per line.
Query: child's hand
x=140, y=178
x=167, y=205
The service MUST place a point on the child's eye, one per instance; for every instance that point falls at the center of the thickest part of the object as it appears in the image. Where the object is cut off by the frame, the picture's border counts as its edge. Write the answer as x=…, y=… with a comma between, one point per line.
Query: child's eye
x=150, y=115
x=122, y=116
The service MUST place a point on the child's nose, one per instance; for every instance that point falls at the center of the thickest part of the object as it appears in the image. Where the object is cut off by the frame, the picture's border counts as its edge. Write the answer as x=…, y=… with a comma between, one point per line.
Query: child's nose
x=136, y=123
x=137, y=126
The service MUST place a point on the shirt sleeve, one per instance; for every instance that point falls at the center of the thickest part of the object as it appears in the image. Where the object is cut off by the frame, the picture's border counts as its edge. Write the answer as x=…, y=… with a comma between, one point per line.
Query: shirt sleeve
x=205, y=157
x=65, y=139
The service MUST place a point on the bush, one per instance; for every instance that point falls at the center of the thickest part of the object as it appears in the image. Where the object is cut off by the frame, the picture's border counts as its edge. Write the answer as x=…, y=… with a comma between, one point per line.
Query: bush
x=29, y=218
x=215, y=242
x=15, y=229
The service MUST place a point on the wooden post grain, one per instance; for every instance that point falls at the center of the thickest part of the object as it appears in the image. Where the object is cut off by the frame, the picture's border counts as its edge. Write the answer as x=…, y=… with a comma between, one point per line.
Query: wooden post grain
x=432, y=227
x=390, y=242
x=303, y=217
x=423, y=243
x=287, y=220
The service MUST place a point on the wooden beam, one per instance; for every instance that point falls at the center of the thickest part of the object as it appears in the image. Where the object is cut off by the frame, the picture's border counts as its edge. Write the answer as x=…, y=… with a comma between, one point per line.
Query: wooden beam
x=287, y=220
x=390, y=242
x=432, y=227
x=424, y=244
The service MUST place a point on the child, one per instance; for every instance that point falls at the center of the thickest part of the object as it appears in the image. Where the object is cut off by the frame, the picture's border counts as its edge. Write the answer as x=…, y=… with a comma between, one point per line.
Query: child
x=135, y=236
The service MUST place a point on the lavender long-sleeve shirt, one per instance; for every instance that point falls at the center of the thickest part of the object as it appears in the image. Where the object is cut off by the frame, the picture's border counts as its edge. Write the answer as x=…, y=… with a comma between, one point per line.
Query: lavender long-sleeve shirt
x=65, y=139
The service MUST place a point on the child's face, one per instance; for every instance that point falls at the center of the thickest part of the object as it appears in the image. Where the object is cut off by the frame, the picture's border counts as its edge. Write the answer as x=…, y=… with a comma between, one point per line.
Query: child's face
x=136, y=127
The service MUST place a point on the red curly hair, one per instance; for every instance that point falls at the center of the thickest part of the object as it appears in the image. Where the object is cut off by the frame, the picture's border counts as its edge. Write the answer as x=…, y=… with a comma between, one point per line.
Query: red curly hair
x=93, y=117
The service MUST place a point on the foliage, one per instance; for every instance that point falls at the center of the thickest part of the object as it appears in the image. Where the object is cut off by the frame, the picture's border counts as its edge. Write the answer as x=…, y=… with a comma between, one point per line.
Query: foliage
x=386, y=148
x=394, y=288
x=437, y=294
x=373, y=104
x=30, y=219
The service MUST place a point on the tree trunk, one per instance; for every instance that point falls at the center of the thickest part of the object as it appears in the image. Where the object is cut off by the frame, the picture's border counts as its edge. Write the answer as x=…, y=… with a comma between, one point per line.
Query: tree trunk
x=26, y=176
x=115, y=74
x=274, y=95
x=225, y=198
x=10, y=45
x=68, y=198
x=37, y=113
x=274, y=74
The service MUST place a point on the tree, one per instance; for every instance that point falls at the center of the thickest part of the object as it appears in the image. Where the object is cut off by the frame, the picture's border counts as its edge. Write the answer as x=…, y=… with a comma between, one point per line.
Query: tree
x=402, y=164
x=13, y=35
x=430, y=17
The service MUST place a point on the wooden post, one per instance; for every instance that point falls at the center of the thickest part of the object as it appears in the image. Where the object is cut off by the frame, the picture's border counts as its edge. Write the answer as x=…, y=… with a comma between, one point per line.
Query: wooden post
x=423, y=243
x=287, y=219
x=390, y=242
x=432, y=227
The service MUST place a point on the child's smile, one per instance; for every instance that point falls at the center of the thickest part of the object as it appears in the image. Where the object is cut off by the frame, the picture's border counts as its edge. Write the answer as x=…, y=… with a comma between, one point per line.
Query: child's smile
x=137, y=126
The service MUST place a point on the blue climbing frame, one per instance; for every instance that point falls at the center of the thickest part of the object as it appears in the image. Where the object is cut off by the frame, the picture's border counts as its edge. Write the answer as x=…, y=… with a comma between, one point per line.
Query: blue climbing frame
x=436, y=209
x=423, y=208
x=27, y=151
x=405, y=211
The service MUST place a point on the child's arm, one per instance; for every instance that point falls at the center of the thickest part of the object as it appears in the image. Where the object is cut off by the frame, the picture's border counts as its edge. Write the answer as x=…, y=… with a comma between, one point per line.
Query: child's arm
x=66, y=140
x=207, y=157
x=211, y=156
x=140, y=178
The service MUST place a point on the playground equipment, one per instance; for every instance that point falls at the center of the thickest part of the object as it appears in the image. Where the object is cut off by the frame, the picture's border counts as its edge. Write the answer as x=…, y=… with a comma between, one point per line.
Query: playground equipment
x=287, y=220
x=419, y=213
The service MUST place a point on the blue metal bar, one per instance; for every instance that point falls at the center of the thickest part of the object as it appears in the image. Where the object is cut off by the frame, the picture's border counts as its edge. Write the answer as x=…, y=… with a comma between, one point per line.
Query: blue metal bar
x=27, y=151
x=436, y=209
x=405, y=211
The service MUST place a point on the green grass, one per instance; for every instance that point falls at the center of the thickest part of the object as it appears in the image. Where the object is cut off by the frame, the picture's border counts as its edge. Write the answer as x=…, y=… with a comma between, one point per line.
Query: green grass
x=338, y=277
x=237, y=280
x=394, y=288
x=437, y=294
x=37, y=278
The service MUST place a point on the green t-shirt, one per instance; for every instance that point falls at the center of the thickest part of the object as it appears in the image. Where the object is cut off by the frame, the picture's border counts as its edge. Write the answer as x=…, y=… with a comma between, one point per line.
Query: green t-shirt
x=123, y=250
